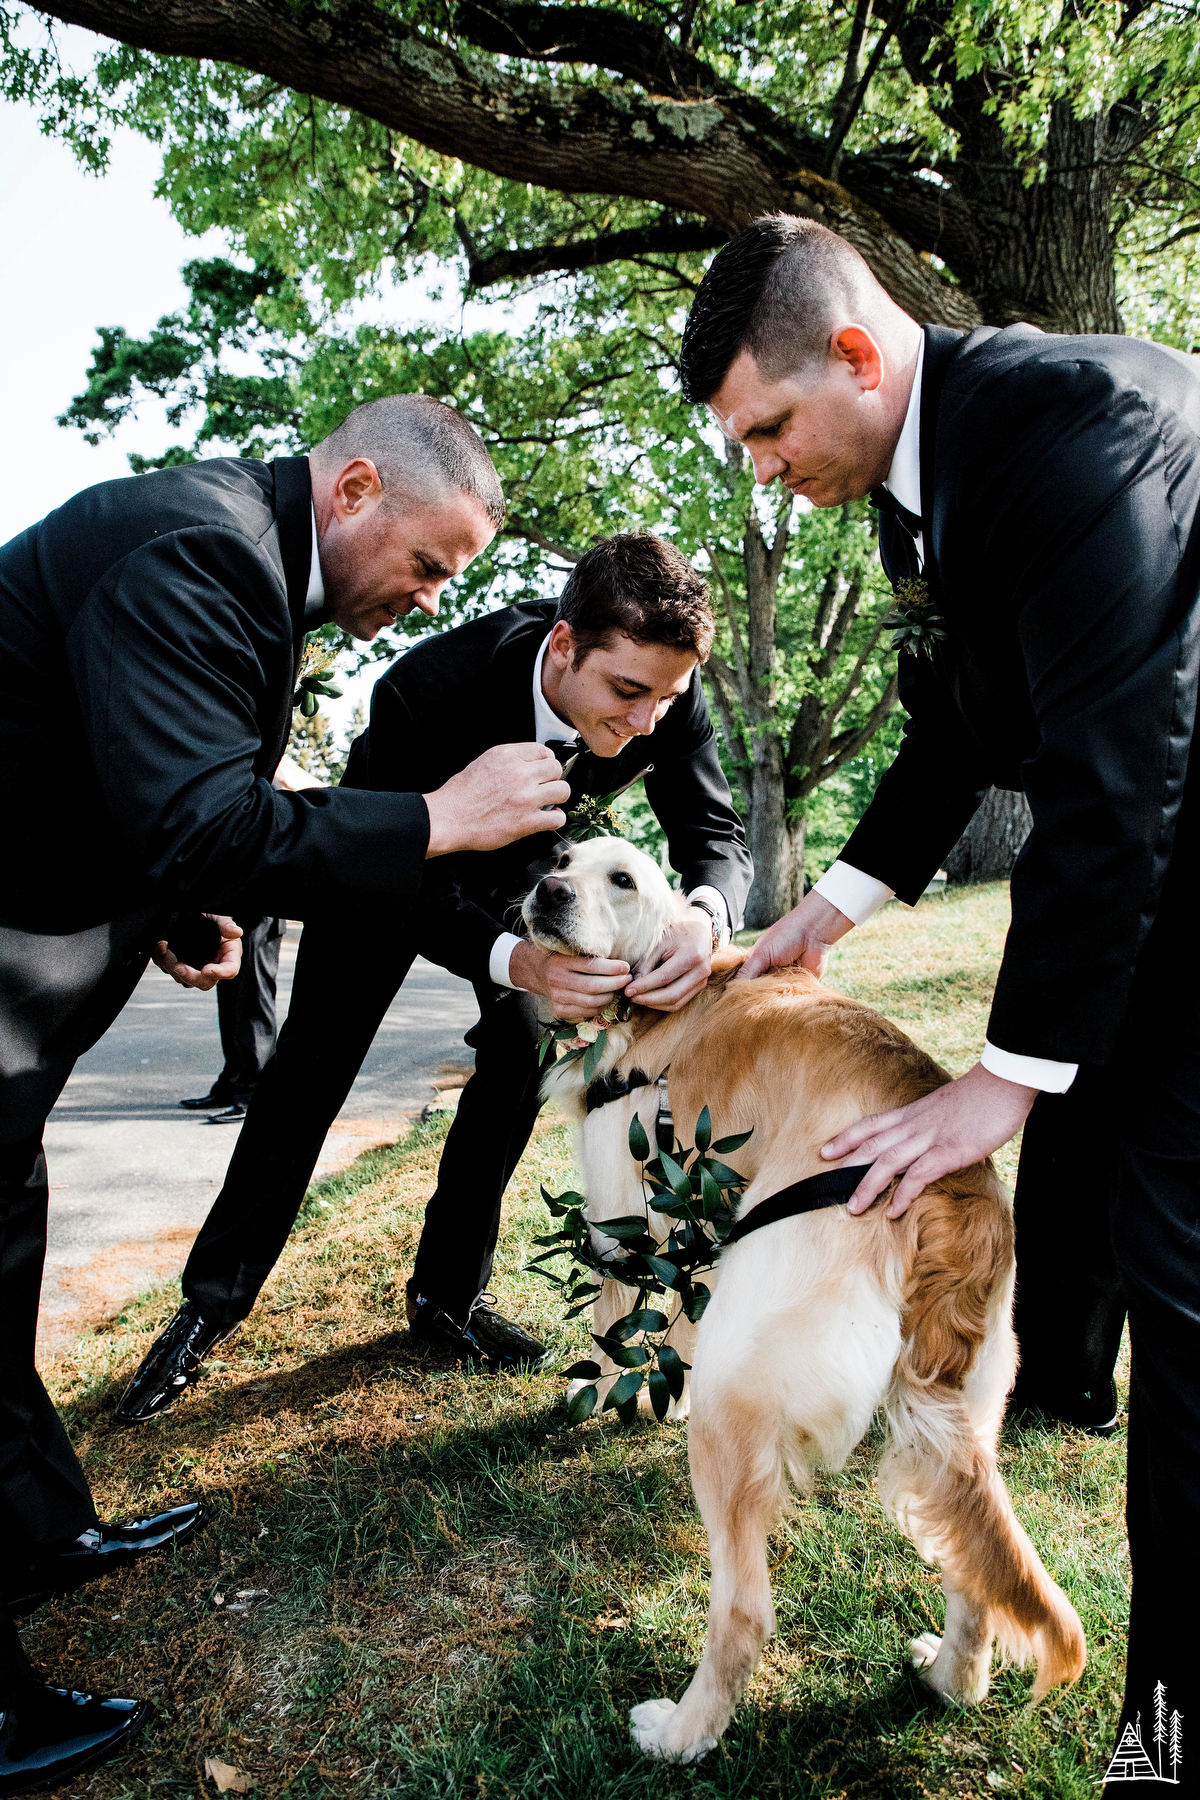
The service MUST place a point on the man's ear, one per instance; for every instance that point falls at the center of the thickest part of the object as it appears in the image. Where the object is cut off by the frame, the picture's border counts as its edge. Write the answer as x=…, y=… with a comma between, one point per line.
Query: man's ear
x=561, y=648
x=853, y=344
x=356, y=489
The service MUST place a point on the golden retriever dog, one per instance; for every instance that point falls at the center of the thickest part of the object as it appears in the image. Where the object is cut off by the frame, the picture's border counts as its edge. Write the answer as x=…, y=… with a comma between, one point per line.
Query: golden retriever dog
x=819, y=1320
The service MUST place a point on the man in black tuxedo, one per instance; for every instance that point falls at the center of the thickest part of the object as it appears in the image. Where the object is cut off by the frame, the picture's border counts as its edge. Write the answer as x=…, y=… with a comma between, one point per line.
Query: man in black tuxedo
x=615, y=662
x=150, y=638
x=1042, y=494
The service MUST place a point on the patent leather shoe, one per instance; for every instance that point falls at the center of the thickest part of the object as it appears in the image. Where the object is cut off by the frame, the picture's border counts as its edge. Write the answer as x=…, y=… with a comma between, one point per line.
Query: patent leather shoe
x=172, y=1364
x=1093, y=1410
x=233, y=1114
x=102, y=1548
x=486, y=1335
x=49, y=1735
x=219, y=1094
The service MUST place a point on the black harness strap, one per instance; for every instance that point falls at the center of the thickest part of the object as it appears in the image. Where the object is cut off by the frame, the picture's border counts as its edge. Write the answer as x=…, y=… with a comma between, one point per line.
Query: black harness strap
x=829, y=1188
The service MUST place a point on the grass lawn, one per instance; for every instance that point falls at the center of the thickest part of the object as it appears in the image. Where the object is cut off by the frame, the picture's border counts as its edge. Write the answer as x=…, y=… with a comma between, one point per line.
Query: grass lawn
x=419, y=1582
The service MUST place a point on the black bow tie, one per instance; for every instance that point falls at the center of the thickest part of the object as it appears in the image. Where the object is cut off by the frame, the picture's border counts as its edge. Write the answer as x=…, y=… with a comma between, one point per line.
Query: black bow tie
x=886, y=501
x=566, y=750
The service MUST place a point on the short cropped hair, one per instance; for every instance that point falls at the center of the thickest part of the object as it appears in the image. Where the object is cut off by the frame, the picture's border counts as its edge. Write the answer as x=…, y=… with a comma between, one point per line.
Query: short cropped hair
x=778, y=290
x=640, y=587
x=420, y=447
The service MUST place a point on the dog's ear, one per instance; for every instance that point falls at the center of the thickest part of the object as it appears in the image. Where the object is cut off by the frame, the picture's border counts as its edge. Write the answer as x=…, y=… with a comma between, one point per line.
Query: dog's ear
x=725, y=965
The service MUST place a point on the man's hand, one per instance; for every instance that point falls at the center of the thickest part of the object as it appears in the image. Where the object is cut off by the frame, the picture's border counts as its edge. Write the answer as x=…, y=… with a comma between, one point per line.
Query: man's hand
x=678, y=967
x=576, y=986
x=223, y=967
x=805, y=936
x=950, y=1129
x=510, y=792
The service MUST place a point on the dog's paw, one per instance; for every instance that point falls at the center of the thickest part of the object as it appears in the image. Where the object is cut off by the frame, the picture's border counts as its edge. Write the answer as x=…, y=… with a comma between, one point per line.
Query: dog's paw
x=650, y=1724
x=951, y=1681
x=922, y=1652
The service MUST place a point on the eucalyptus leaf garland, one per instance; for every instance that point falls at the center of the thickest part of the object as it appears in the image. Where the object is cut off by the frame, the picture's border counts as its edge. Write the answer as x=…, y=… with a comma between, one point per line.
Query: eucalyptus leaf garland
x=701, y=1199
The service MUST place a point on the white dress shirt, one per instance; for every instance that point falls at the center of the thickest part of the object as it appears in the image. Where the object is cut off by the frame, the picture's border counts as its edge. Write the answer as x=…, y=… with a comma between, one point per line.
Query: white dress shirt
x=547, y=727
x=858, y=894
x=314, y=599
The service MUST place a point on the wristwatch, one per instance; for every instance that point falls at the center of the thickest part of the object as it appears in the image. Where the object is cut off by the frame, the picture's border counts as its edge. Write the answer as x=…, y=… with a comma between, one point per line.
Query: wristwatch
x=717, y=923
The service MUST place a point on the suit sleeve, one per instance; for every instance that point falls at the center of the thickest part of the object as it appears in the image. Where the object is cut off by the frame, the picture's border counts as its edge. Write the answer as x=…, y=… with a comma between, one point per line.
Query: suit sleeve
x=450, y=929
x=690, y=798
x=926, y=799
x=1097, y=548
x=181, y=657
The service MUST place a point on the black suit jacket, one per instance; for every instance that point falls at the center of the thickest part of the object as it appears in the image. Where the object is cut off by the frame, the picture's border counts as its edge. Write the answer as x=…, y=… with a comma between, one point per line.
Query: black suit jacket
x=452, y=697
x=1060, y=485
x=150, y=632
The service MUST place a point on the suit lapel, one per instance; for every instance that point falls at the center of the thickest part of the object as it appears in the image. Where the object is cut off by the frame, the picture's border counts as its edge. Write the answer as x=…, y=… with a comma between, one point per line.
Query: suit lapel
x=941, y=345
x=293, y=516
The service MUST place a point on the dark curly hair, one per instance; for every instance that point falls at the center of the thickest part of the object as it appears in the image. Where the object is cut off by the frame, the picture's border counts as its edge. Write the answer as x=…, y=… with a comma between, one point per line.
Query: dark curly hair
x=641, y=587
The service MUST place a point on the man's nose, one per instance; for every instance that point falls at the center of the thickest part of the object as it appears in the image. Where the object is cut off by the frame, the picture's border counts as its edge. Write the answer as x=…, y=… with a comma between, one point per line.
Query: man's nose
x=767, y=464
x=426, y=597
x=643, y=719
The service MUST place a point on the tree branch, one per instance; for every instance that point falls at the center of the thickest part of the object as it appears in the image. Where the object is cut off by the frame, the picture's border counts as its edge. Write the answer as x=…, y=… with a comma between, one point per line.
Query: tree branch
x=586, y=253
x=516, y=527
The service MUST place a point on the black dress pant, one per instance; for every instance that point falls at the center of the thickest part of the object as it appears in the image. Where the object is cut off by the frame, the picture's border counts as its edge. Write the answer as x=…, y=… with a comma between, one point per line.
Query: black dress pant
x=246, y=1009
x=331, y=1023
x=58, y=995
x=1112, y=1219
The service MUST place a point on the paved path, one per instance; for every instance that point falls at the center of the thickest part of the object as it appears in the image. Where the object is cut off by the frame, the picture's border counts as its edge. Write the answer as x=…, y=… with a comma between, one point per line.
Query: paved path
x=132, y=1175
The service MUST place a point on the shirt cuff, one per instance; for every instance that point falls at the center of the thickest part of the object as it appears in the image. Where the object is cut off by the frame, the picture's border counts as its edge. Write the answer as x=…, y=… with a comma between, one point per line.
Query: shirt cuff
x=498, y=961
x=720, y=905
x=1029, y=1071
x=853, y=893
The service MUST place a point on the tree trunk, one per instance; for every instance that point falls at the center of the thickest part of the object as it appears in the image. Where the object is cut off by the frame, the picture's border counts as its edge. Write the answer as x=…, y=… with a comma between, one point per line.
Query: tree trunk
x=990, y=845
x=771, y=841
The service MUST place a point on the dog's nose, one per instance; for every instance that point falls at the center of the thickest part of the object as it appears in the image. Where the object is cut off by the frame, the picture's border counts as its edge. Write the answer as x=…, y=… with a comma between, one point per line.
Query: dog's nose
x=554, y=890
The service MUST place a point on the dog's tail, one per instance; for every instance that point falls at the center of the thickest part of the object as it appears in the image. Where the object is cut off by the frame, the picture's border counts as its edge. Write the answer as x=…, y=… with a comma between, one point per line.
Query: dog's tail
x=940, y=1479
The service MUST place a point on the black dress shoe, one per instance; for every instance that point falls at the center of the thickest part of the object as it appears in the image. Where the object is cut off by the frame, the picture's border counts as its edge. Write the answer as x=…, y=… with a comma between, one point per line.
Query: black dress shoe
x=219, y=1094
x=233, y=1114
x=48, y=1735
x=1093, y=1410
x=103, y=1548
x=171, y=1365
x=486, y=1337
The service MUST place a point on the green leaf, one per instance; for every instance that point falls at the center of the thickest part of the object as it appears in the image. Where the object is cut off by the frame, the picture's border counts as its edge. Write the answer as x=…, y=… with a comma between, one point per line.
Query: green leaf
x=624, y=1388
x=662, y=1270
x=581, y=1405
x=710, y=1193
x=592, y=1056
x=673, y=1369
x=582, y=1371
x=695, y=1307
x=626, y=1356
x=639, y=1143
x=660, y=1393
x=727, y=1145
x=622, y=1229
x=627, y=1412
x=645, y=1319
x=703, y=1130
x=725, y=1175
x=680, y=1182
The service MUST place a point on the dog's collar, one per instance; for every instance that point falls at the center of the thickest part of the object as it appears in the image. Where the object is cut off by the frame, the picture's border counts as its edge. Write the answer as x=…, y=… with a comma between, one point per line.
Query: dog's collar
x=829, y=1188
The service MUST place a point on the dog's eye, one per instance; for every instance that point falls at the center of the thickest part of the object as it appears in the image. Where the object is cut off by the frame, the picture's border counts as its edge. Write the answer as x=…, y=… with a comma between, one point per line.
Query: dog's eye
x=621, y=880
x=563, y=861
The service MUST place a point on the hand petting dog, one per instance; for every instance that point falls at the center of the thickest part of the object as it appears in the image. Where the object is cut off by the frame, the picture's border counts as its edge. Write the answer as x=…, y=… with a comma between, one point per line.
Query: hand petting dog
x=678, y=967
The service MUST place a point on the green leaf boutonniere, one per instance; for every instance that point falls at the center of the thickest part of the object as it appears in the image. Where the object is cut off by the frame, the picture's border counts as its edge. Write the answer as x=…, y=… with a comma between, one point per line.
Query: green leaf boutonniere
x=314, y=680
x=592, y=816
x=913, y=621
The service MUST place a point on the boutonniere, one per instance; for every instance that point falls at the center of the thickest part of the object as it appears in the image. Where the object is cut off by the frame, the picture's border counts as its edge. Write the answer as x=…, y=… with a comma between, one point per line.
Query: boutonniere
x=584, y=1037
x=593, y=816
x=915, y=624
x=314, y=681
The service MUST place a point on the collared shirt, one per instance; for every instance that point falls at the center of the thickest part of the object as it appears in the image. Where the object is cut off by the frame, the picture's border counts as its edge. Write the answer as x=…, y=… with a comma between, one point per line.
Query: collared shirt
x=314, y=599
x=852, y=890
x=548, y=728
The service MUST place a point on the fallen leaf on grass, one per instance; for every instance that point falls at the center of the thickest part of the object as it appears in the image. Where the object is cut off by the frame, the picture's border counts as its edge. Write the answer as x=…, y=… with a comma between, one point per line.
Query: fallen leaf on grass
x=228, y=1780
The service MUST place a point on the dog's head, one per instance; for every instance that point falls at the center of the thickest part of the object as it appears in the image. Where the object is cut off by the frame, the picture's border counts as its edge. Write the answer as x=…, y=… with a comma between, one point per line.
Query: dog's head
x=602, y=898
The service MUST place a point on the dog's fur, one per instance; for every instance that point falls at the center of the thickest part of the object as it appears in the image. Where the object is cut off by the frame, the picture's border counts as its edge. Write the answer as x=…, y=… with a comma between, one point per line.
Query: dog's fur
x=819, y=1320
